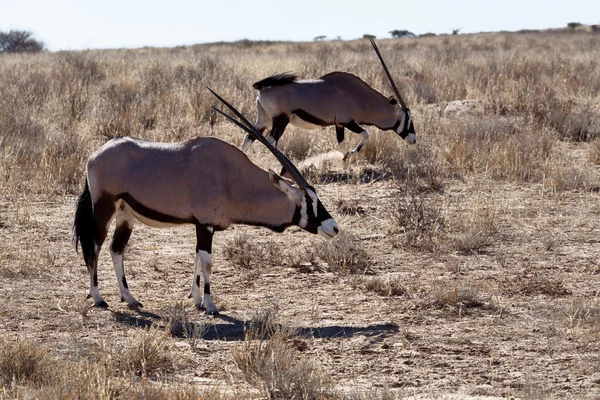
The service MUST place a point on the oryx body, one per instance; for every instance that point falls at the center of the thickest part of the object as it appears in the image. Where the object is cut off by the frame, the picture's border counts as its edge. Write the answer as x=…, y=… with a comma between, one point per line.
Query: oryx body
x=340, y=99
x=204, y=182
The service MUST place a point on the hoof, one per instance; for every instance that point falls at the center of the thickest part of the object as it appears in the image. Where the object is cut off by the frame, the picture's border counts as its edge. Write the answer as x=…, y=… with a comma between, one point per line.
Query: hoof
x=211, y=313
x=101, y=304
x=135, y=305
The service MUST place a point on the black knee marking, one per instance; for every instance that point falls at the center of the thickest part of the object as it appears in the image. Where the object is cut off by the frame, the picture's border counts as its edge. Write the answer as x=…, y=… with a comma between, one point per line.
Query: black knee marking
x=207, y=288
x=279, y=124
x=95, y=278
x=339, y=133
x=198, y=280
x=124, y=282
x=120, y=238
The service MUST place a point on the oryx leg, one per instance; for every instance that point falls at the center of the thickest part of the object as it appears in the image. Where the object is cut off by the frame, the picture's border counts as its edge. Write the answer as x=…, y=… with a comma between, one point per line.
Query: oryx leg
x=339, y=133
x=125, y=222
x=354, y=127
x=104, y=211
x=203, y=263
x=279, y=124
x=263, y=120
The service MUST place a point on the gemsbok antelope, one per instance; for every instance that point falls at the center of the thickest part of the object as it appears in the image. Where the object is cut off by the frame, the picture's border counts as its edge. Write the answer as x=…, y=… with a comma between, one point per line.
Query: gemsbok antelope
x=203, y=181
x=338, y=98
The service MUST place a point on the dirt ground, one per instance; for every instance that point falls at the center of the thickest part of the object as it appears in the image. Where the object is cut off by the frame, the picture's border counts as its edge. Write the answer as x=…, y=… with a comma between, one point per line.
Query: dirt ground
x=533, y=331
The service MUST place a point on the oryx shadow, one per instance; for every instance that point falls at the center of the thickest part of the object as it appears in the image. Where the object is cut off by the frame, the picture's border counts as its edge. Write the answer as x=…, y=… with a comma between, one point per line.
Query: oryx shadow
x=224, y=327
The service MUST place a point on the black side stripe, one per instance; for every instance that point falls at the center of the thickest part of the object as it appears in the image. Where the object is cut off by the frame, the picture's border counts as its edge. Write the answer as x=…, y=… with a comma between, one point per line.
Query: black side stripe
x=153, y=214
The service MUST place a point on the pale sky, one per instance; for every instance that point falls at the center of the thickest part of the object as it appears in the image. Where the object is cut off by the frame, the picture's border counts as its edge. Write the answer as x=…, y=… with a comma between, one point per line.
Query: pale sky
x=83, y=24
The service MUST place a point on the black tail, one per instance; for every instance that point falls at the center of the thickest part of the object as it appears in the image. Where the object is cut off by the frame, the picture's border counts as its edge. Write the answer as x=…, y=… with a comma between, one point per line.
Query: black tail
x=276, y=80
x=84, y=226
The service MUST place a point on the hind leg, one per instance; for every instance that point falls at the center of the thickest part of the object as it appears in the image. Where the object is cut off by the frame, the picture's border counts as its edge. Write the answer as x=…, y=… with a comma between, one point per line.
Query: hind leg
x=262, y=123
x=125, y=223
x=104, y=210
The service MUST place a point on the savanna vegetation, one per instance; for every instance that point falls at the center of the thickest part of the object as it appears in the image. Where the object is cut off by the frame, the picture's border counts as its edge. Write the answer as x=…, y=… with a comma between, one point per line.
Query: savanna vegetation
x=468, y=265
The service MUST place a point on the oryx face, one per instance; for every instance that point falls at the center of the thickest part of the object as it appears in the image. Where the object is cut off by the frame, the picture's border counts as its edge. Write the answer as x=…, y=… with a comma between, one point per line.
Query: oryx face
x=405, y=127
x=314, y=217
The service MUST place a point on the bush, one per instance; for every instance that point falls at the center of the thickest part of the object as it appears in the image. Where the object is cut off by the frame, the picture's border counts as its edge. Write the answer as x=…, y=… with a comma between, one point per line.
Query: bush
x=19, y=42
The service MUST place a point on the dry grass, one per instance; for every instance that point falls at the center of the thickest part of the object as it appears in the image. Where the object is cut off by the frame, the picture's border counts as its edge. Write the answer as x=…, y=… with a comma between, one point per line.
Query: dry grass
x=506, y=157
x=23, y=360
x=391, y=286
x=458, y=296
x=58, y=107
x=344, y=254
x=273, y=367
x=147, y=354
x=245, y=254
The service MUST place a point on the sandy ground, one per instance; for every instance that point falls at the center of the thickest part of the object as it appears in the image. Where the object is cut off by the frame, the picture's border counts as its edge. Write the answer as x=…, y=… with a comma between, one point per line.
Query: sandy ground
x=535, y=332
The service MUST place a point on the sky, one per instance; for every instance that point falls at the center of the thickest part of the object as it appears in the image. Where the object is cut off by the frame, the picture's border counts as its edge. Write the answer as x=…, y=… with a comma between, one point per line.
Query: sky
x=85, y=24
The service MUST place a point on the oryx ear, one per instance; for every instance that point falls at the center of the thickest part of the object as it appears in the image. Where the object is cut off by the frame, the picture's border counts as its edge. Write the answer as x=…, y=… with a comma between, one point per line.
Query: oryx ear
x=283, y=185
x=392, y=100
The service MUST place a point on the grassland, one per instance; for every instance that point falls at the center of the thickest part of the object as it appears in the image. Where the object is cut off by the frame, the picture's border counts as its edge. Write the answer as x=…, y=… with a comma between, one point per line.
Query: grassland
x=469, y=264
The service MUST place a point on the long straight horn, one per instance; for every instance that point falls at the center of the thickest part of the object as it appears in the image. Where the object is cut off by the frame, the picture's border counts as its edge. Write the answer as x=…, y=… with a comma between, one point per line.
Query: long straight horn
x=252, y=131
x=387, y=72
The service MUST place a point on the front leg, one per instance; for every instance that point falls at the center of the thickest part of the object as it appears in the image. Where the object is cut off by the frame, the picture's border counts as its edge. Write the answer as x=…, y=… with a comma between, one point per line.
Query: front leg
x=354, y=127
x=203, y=263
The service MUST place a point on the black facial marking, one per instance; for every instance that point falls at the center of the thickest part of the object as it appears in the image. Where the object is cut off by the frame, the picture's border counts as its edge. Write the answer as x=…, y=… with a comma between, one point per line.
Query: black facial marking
x=125, y=283
x=153, y=214
x=207, y=288
x=311, y=119
x=120, y=238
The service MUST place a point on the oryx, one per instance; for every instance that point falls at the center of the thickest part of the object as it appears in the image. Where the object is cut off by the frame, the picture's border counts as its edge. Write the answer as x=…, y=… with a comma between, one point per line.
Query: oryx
x=338, y=98
x=203, y=181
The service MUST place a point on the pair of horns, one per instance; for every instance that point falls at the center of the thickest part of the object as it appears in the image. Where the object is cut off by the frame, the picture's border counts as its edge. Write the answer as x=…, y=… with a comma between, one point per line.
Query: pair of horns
x=252, y=131
x=387, y=72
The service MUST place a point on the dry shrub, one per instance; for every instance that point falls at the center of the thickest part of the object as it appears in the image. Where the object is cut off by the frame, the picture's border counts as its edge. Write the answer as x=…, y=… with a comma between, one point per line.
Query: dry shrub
x=83, y=380
x=476, y=230
x=242, y=252
x=148, y=390
x=22, y=360
x=417, y=218
x=263, y=322
x=179, y=325
x=349, y=207
x=419, y=169
x=147, y=355
x=273, y=367
x=391, y=286
x=344, y=254
x=295, y=144
x=594, y=152
x=538, y=284
x=456, y=295
x=500, y=149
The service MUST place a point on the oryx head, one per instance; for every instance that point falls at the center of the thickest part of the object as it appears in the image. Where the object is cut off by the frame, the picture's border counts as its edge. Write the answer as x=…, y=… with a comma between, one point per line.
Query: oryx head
x=310, y=213
x=404, y=125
